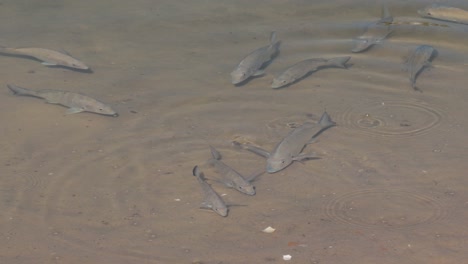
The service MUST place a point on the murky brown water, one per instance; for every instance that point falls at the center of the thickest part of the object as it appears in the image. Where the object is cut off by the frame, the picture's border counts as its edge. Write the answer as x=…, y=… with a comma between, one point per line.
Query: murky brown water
x=390, y=186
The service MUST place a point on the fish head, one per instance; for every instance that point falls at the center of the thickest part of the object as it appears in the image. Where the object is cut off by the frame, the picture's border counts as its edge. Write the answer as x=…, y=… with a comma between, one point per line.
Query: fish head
x=239, y=75
x=248, y=189
x=275, y=164
x=101, y=109
x=221, y=210
x=75, y=64
x=278, y=83
x=427, y=11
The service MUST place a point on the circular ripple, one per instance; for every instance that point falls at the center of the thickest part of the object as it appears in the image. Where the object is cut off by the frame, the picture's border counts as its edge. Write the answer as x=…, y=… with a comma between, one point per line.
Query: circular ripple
x=281, y=125
x=392, y=118
x=387, y=209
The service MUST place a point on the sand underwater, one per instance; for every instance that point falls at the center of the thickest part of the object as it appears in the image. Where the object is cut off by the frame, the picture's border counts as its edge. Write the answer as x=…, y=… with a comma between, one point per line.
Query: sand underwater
x=389, y=187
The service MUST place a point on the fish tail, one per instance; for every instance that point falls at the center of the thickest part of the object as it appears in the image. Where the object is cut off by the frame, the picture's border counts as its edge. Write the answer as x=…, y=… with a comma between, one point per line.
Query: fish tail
x=215, y=154
x=196, y=172
x=274, y=44
x=22, y=91
x=325, y=120
x=339, y=62
x=273, y=37
x=386, y=16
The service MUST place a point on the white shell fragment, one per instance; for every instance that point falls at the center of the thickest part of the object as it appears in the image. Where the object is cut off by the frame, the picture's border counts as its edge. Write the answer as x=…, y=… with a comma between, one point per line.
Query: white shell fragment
x=287, y=257
x=269, y=230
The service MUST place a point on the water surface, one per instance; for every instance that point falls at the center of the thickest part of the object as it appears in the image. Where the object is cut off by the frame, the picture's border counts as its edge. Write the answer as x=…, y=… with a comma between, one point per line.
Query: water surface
x=390, y=186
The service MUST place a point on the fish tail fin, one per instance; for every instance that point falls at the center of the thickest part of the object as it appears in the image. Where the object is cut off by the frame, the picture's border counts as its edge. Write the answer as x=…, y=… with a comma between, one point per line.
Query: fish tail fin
x=386, y=16
x=273, y=37
x=339, y=62
x=197, y=172
x=215, y=154
x=21, y=91
x=326, y=121
x=274, y=43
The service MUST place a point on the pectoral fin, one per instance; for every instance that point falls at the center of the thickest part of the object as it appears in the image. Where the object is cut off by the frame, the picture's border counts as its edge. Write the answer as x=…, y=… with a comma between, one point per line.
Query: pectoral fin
x=257, y=150
x=306, y=156
x=252, y=177
x=48, y=63
x=205, y=205
x=259, y=73
x=74, y=110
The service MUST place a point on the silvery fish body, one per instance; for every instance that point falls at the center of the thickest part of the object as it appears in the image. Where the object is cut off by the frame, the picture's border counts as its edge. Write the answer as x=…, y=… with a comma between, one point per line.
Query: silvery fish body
x=447, y=13
x=48, y=57
x=419, y=58
x=75, y=102
x=232, y=178
x=301, y=69
x=252, y=63
x=375, y=32
x=292, y=145
x=211, y=199
x=289, y=149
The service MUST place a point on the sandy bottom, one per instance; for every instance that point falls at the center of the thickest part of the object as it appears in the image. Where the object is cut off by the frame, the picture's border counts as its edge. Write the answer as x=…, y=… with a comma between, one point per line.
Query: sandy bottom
x=390, y=185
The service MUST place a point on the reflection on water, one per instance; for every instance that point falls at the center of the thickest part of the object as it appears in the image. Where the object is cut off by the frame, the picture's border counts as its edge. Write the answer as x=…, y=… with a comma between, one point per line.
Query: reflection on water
x=389, y=186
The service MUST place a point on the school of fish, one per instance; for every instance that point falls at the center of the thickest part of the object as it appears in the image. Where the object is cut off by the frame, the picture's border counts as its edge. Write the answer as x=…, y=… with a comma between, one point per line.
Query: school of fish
x=291, y=147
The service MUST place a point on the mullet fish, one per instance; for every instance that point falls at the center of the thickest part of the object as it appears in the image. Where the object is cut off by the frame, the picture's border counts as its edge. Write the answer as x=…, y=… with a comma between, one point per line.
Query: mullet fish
x=375, y=32
x=231, y=177
x=252, y=63
x=417, y=61
x=212, y=200
x=446, y=13
x=301, y=69
x=47, y=56
x=75, y=102
x=289, y=149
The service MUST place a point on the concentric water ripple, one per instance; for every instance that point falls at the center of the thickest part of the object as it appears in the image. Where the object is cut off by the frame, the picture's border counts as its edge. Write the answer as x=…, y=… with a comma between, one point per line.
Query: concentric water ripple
x=282, y=125
x=395, y=118
x=385, y=209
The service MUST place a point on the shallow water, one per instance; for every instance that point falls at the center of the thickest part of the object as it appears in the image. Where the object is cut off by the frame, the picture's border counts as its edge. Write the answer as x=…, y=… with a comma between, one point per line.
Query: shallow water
x=390, y=185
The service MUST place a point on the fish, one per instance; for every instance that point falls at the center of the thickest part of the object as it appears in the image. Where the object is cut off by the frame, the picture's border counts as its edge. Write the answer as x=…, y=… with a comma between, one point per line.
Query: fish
x=446, y=13
x=75, y=102
x=375, y=32
x=252, y=63
x=47, y=56
x=301, y=69
x=232, y=178
x=290, y=147
x=212, y=200
x=417, y=61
